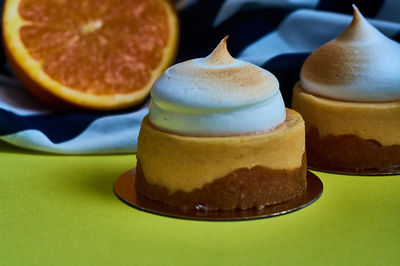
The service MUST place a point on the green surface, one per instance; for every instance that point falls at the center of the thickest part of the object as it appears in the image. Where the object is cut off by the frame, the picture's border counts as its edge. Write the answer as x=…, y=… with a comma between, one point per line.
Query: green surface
x=61, y=210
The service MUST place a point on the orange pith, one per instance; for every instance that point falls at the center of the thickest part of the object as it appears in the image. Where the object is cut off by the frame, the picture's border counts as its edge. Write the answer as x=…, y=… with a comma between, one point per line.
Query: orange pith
x=98, y=54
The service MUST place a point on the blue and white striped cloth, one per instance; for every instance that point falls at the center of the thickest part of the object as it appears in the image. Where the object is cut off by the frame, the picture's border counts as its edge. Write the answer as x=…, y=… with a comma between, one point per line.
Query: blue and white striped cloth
x=275, y=34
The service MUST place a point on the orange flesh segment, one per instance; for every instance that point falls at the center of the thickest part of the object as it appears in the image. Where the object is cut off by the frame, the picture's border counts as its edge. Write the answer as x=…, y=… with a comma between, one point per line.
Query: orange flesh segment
x=97, y=47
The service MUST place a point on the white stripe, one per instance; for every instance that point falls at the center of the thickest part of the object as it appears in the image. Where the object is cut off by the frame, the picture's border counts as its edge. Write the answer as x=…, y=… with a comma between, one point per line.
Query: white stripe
x=304, y=31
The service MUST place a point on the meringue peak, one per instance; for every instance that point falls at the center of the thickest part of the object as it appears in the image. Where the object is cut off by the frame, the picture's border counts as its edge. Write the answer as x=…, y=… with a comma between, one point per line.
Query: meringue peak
x=220, y=55
x=361, y=64
x=359, y=29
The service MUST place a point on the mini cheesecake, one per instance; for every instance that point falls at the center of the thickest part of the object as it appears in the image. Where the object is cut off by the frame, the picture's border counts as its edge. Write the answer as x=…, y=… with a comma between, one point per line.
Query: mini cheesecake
x=218, y=137
x=226, y=172
x=349, y=97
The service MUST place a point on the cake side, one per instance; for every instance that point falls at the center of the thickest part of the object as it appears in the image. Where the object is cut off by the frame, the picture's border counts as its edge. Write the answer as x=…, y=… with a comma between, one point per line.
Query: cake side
x=243, y=188
x=347, y=136
x=186, y=163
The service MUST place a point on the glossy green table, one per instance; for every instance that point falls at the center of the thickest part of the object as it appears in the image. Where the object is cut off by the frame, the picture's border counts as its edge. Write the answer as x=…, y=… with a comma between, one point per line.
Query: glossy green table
x=61, y=210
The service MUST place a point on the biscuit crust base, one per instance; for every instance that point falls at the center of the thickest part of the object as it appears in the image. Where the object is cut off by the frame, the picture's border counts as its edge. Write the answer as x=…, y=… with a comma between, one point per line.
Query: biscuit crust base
x=243, y=188
x=350, y=153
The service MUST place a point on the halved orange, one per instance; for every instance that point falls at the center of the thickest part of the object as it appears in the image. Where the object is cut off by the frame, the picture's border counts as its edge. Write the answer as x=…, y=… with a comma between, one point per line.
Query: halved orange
x=95, y=54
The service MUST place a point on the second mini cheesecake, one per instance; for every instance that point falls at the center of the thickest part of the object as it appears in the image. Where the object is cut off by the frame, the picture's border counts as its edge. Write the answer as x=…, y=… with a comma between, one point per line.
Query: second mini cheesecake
x=349, y=97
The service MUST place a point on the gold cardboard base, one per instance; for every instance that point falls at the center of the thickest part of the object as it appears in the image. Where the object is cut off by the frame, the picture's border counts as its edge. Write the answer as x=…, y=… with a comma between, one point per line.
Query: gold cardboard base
x=124, y=188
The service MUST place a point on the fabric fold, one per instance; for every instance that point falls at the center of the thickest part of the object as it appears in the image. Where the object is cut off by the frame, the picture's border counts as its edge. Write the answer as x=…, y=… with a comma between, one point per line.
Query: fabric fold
x=276, y=35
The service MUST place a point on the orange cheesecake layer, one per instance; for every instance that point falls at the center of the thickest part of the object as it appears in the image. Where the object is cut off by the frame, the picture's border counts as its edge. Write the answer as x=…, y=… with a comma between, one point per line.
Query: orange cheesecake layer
x=369, y=121
x=186, y=163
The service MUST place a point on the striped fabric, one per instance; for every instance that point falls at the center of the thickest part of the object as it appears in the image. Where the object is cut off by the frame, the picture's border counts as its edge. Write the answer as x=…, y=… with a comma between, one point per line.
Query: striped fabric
x=275, y=34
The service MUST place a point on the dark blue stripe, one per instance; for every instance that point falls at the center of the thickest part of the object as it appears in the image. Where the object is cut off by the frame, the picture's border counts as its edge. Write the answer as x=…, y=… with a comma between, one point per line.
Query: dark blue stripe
x=397, y=37
x=196, y=25
x=248, y=25
x=286, y=68
x=199, y=37
x=58, y=127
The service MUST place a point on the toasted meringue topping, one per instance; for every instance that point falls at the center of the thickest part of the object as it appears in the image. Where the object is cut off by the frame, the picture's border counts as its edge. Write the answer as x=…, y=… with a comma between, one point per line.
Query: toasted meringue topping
x=216, y=95
x=361, y=64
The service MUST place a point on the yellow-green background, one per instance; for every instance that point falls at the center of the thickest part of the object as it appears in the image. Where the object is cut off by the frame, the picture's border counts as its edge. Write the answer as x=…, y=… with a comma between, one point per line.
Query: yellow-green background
x=61, y=210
